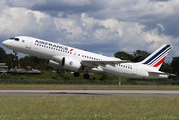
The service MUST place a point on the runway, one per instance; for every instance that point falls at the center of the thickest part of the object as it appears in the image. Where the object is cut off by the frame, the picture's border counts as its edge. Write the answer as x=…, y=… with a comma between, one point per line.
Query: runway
x=120, y=93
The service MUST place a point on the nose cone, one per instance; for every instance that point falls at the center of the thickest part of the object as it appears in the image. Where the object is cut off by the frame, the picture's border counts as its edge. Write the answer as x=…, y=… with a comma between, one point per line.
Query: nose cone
x=5, y=43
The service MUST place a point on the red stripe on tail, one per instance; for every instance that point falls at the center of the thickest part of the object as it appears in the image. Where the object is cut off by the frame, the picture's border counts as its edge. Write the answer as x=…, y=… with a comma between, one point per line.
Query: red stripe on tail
x=160, y=62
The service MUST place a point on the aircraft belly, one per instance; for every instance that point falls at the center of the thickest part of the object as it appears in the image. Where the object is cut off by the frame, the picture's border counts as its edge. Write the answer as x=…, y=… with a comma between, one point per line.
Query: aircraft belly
x=117, y=71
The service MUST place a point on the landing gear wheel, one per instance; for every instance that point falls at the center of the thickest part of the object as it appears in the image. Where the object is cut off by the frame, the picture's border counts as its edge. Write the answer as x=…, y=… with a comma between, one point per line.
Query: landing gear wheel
x=86, y=76
x=76, y=74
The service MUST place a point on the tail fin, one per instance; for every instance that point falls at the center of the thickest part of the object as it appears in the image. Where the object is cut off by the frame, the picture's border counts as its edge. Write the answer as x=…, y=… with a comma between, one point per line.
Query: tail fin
x=157, y=58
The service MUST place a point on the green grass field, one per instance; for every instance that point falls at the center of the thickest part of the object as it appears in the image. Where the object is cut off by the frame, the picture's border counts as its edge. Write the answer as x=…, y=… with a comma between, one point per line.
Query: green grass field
x=63, y=107
x=87, y=108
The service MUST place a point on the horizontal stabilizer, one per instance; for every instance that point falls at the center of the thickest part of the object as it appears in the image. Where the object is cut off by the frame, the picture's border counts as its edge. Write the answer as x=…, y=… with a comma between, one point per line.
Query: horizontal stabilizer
x=161, y=73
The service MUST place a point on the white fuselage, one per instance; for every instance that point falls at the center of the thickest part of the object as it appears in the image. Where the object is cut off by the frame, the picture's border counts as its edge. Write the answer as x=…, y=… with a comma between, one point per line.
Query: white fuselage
x=47, y=50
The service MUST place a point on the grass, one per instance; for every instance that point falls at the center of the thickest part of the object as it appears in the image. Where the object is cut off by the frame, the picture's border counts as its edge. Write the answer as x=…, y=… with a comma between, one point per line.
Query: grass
x=87, y=108
x=86, y=87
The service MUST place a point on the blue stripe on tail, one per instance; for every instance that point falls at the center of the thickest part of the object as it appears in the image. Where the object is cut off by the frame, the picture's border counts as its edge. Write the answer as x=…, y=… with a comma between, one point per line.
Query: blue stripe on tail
x=158, y=54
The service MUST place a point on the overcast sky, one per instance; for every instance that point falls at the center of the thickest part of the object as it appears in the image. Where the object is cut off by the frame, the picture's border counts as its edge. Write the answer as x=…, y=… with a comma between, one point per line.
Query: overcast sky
x=100, y=26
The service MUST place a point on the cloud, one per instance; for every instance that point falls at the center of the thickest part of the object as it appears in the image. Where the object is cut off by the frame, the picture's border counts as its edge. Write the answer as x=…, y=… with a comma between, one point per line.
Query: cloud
x=100, y=26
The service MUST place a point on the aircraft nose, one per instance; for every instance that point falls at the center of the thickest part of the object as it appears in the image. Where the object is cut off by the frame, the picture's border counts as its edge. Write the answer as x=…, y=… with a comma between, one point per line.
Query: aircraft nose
x=5, y=43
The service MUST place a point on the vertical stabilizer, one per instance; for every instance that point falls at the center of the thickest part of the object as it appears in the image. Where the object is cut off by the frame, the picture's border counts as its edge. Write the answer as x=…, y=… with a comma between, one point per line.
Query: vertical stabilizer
x=156, y=59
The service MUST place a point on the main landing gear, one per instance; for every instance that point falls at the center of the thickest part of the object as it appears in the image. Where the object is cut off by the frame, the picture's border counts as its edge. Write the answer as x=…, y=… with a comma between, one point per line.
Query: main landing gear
x=86, y=76
x=76, y=74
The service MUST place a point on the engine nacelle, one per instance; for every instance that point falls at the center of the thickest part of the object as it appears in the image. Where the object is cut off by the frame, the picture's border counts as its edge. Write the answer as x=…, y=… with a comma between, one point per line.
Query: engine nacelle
x=57, y=58
x=53, y=64
x=71, y=64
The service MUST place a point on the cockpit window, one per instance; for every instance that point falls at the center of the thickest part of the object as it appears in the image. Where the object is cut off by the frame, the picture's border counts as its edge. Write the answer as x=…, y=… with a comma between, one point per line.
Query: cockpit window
x=16, y=39
x=11, y=38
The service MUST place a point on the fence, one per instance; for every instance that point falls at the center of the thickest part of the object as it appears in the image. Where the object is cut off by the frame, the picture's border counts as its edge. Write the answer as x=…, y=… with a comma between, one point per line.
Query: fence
x=148, y=82
x=109, y=82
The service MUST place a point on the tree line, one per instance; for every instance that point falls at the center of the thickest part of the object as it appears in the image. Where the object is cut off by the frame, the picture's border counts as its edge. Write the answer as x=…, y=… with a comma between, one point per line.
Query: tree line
x=38, y=63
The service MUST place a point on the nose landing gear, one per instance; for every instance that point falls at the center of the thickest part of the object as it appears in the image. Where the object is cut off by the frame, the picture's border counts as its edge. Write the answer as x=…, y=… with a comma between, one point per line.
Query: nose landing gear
x=15, y=57
x=76, y=74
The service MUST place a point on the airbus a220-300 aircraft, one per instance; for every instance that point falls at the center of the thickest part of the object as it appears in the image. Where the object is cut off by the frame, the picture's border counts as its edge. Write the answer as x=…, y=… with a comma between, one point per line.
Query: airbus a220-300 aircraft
x=62, y=56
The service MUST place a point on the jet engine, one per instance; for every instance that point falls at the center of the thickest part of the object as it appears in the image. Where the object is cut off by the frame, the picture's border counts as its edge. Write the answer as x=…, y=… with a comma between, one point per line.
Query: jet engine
x=71, y=64
x=57, y=58
x=53, y=64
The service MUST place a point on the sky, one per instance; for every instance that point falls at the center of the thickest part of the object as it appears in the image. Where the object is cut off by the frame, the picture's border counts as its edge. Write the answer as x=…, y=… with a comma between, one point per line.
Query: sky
x=100, y=26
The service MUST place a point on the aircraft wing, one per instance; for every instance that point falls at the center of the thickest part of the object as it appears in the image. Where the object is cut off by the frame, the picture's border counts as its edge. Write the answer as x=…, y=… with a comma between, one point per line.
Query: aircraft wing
x=93, y=64
x=161, y=73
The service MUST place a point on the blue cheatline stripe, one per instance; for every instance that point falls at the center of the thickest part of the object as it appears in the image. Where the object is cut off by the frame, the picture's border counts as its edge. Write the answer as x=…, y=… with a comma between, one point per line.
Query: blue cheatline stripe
x=153, y=57
x=159, y=56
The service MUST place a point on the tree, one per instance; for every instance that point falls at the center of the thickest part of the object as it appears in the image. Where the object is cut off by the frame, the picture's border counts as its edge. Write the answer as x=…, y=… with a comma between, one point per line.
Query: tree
x=10, y=62
x=166, y=67
x=25, y=61
x=34, y=62
x=144, y=54
x=175, y=65
x=2, y=55
x=123, y=55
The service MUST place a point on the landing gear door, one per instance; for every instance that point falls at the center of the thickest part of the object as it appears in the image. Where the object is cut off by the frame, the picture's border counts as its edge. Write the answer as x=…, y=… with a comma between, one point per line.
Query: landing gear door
x=29, y=43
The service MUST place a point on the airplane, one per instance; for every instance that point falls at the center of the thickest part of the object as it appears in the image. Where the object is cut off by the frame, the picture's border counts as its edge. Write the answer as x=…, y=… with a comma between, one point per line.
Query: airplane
x=61, y=56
